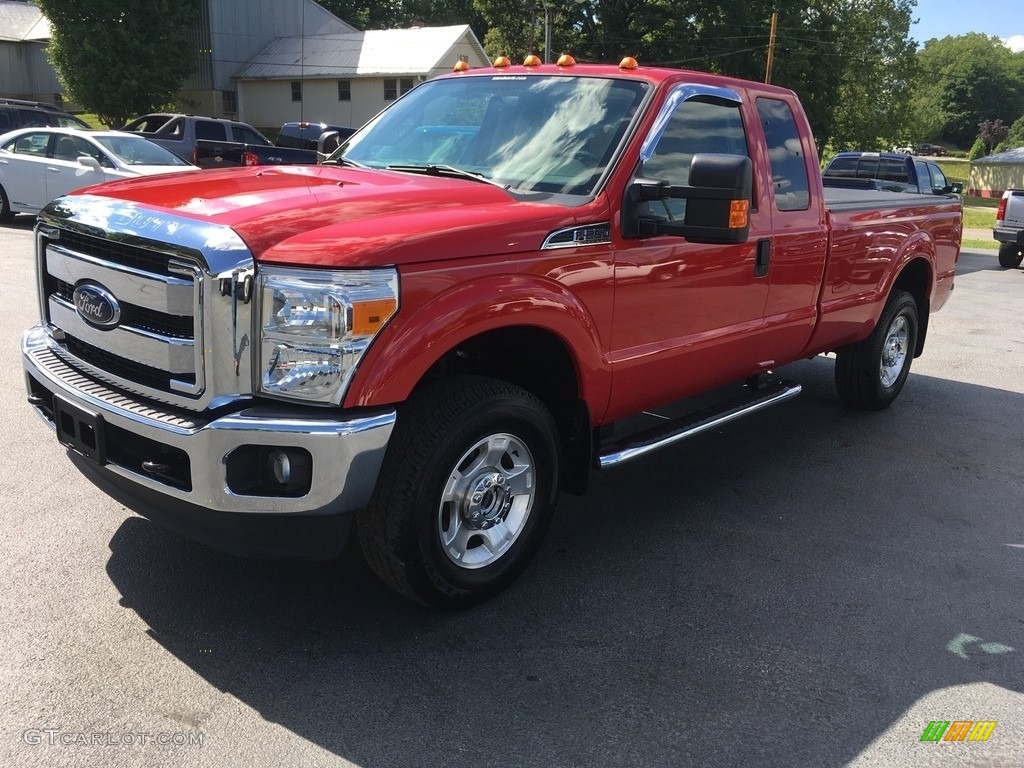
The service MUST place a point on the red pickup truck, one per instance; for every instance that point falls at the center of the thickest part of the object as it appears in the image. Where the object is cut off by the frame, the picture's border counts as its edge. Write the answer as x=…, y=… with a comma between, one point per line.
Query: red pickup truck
x=459, y=315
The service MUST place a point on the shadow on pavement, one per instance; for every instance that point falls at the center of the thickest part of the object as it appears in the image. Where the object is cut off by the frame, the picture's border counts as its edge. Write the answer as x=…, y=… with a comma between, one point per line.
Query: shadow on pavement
x=778, y=592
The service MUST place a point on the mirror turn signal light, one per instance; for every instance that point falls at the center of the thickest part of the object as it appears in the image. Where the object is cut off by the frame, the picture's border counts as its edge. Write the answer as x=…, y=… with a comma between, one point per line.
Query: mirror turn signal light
x=739, y=214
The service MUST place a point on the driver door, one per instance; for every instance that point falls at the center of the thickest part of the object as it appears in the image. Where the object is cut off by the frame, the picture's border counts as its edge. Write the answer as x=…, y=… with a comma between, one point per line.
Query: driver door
x=688, y=316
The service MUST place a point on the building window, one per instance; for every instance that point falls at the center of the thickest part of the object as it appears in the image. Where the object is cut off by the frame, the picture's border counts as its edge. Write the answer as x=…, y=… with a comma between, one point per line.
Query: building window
x=344, y=90
x=390, y=89
x=296, y=90
x=406, y=83
x=229, y=101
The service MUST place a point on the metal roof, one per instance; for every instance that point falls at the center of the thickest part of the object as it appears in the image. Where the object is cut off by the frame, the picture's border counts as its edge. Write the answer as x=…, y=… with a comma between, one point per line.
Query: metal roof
x=22, y=21
x=375, y=52
x=1012, y=157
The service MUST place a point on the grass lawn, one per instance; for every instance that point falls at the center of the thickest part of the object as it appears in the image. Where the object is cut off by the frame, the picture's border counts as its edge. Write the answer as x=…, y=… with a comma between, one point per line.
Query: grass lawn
x=92, y=120
x=980, y=218
x=991, y=245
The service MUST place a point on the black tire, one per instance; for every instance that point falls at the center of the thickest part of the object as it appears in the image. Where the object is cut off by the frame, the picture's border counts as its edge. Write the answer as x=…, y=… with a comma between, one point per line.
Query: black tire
x=1010, y=255
x=438, y=448
x=6, y=214
x=871, y=373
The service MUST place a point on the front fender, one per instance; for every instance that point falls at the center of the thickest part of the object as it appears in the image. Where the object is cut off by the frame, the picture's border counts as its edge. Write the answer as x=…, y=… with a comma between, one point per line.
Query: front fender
x=417, y=338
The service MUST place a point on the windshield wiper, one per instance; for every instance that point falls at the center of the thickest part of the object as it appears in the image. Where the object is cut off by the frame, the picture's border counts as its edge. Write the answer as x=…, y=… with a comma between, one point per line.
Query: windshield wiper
x=447, y=171
x=344, y=161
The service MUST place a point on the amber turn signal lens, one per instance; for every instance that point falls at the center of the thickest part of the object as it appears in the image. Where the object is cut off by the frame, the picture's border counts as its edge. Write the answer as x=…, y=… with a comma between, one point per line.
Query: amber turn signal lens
x=739, y=214
x=369, y=316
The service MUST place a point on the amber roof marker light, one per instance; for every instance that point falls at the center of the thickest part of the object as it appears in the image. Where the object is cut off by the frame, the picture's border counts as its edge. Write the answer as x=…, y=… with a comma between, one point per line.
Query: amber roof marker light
x=461, y=66
x=501, y=62
x=533, y=60
x=565, y=60
x=628, y=62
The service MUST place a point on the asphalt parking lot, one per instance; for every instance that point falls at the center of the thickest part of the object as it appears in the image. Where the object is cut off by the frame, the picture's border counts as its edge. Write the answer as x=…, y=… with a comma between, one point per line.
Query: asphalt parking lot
x=806, y=587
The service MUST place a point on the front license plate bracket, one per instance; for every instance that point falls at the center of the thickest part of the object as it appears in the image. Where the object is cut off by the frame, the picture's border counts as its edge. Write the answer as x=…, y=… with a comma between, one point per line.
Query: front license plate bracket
x=80, y=430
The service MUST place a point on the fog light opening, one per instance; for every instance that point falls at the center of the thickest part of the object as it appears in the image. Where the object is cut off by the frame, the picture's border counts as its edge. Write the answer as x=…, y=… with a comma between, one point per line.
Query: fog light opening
x=264, y=470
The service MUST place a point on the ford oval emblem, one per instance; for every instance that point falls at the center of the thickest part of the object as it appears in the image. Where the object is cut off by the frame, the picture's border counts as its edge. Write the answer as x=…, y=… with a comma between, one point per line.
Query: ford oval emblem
x=97, y=306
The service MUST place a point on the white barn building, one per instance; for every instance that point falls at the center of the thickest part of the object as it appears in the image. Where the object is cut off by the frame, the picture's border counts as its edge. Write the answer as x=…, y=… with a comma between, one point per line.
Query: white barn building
x=991, y=176
x=345, y=79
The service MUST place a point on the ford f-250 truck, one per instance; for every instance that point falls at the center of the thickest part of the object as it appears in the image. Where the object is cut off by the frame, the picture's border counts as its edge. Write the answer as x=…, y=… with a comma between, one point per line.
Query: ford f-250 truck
x=452, y=321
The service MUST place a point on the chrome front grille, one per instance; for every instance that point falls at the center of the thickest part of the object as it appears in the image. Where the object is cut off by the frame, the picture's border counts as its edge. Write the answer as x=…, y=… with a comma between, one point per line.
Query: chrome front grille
x=167, y=276
x=158, y=341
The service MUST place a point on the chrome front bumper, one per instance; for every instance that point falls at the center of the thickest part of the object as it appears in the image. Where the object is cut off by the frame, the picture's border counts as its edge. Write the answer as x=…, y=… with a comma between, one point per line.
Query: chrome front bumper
x=346, y=452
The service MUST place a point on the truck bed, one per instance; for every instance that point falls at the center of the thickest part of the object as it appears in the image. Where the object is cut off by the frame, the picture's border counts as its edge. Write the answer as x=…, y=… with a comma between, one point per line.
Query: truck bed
x=843, y=199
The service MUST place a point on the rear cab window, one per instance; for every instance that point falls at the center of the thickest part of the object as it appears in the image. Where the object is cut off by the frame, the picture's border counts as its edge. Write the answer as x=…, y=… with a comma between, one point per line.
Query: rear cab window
x=790, y=183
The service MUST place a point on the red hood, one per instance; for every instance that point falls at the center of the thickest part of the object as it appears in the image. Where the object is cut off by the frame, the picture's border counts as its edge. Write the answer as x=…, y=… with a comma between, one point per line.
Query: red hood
x=330, y=215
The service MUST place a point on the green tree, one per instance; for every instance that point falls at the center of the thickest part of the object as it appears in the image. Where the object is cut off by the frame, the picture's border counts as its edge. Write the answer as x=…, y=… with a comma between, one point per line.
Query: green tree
x=120, y=59
x=992, y=132
x=1015, y=137
x=397, y=14
x=967, y=79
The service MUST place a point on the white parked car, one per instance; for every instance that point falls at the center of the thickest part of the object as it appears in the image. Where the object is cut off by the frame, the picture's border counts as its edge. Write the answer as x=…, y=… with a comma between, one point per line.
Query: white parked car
x=40, y=164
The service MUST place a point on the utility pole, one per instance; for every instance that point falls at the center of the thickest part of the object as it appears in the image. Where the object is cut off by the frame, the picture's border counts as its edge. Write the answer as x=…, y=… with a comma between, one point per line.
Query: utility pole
x=547, y=33
x=771, y=47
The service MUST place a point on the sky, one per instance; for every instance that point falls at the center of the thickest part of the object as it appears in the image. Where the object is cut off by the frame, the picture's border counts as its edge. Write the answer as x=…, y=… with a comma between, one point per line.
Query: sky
x=939, y=18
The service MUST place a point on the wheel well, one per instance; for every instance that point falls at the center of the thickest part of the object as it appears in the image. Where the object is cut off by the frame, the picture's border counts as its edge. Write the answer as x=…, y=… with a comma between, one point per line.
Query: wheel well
x=916, y=279
x=539, y=362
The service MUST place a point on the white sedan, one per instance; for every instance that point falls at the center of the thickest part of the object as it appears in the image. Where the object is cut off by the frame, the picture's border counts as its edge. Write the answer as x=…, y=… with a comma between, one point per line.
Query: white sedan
x=40, y=164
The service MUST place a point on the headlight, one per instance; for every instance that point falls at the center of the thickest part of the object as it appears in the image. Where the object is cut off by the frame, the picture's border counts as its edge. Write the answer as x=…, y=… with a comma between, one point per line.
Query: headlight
x=316, y=325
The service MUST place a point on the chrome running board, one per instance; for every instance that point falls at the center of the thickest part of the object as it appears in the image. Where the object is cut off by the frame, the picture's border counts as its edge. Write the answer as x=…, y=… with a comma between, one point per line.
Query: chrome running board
x=641, y=443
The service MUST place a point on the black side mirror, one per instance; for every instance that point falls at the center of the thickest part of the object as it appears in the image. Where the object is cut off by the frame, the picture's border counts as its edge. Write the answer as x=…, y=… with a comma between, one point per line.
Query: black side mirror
x=328, y=142
x=955, y=189
x=717, y=202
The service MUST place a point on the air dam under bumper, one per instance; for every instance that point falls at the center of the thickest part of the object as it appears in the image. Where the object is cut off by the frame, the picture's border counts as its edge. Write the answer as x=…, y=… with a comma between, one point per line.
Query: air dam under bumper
x=194, y=494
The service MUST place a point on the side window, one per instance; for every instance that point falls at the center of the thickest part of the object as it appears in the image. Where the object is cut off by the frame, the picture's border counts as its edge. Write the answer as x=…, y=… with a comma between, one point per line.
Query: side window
x=247, y=136
x=31, y=117
x=785, y=153
x=170, y=129
x=33, y=144
x=938, y=179
x=5, y=121
x=71, y=148
x=208, y=129
x=700, y=124
x=924, y=181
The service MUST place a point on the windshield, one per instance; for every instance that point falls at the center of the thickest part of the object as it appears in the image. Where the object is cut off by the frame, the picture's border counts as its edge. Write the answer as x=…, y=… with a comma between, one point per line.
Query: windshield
x=528, y=133
x=135, y=150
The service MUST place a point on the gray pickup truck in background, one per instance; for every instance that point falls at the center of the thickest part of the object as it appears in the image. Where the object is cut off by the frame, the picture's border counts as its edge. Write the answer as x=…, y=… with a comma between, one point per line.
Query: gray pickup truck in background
x=888, y=171
x=1009, y=228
